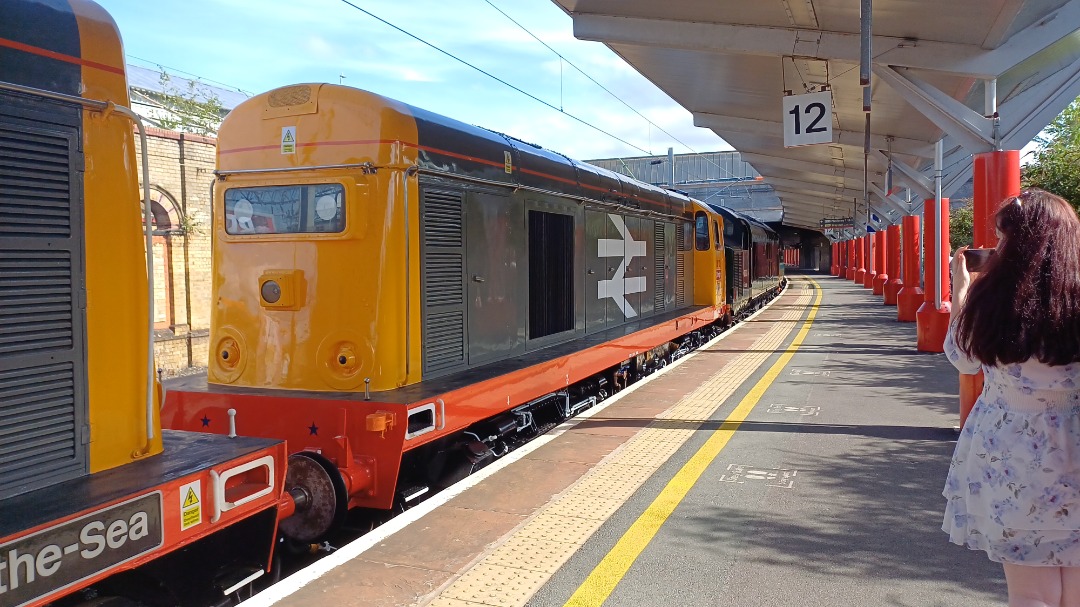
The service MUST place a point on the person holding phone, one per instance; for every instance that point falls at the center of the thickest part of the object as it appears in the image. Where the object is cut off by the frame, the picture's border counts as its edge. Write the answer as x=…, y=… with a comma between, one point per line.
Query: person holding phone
x=1013, y=488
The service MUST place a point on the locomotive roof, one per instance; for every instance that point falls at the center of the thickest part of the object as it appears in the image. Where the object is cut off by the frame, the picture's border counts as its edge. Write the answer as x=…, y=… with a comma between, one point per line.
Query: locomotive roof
x=748, y=220
x=336, y=124
x=450, y=146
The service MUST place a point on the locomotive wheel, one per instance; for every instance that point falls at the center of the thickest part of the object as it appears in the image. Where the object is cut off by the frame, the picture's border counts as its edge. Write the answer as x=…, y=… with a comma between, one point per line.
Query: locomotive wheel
x=327, y=501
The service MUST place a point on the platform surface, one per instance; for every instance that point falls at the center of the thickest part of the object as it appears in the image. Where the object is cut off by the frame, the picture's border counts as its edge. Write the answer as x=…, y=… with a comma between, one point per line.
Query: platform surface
x=798, y=460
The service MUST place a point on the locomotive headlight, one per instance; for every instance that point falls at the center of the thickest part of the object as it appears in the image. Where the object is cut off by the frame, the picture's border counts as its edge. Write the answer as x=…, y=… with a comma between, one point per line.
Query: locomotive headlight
x=271, y=291
x=281, y=289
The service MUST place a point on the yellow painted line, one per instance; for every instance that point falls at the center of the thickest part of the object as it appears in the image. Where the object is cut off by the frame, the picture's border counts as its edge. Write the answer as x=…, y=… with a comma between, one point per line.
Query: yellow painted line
x=602, y=581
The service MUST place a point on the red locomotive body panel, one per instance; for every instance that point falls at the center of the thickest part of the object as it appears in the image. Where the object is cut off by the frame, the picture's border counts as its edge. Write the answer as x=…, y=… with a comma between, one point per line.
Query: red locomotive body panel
x=365, y=439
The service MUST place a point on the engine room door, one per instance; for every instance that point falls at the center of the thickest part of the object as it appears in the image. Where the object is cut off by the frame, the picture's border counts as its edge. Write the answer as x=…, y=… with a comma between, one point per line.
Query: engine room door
x=643, y=267
x=495, y=275
x=663, y=287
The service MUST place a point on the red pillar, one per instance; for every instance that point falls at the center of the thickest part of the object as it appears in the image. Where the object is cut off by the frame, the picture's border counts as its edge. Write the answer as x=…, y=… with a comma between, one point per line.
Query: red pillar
x=860, y=261
x=892, y=264
x=882, y=276
x=932, y=322
x=910, y=296
x=832, y=259
x=997, y=178
x=870, y=254
x=849, y=272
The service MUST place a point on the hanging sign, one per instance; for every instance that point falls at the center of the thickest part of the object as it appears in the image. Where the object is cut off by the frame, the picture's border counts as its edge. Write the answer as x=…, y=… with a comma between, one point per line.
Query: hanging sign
x=837, y=222
x=808, y=119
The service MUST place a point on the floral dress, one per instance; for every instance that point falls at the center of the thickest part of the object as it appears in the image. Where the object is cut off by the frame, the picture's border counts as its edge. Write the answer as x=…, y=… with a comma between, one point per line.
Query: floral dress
x=1013, y=488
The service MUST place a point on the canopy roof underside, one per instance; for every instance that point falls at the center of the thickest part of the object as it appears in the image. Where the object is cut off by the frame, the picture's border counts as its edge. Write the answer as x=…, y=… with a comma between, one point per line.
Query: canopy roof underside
x=729, y=62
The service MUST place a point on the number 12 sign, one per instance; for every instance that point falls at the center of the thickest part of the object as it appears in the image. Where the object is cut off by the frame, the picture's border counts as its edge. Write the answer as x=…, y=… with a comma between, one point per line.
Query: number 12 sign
x=807, y=119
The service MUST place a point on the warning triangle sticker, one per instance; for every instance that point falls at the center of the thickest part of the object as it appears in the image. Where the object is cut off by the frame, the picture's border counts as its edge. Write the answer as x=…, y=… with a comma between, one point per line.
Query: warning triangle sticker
x=287, y=137
x=191, y=498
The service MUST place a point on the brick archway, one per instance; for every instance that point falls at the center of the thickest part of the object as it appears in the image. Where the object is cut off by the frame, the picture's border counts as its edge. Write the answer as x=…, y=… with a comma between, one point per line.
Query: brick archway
x=165, y=211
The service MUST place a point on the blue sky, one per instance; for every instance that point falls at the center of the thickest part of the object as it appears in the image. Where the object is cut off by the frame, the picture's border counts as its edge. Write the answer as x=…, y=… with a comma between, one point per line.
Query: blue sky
x=260, y=45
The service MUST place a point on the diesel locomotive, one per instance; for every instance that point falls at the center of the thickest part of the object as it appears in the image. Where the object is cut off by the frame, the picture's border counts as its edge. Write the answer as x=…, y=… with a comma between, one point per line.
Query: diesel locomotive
x=403, y=297
x=98, y=504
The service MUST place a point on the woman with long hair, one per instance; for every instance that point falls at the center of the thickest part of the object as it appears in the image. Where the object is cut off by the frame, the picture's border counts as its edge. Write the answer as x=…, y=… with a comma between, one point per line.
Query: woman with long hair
x=1013, y=487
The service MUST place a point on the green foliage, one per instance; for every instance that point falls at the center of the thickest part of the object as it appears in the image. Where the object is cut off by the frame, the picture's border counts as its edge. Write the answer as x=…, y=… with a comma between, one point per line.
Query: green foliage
x=961, y=230
x=190, y=225
x=190, y=110
x=1057, y=164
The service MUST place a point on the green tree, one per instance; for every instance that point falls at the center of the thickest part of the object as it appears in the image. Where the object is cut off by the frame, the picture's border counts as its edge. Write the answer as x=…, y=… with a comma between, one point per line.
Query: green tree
x=961, y=222
x=190, y=109
x=1056, y=167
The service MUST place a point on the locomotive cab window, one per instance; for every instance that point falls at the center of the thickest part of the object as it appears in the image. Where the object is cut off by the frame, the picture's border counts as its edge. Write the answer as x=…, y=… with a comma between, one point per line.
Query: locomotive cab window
x=701, y=240
x=287, y=209
x=717, y=243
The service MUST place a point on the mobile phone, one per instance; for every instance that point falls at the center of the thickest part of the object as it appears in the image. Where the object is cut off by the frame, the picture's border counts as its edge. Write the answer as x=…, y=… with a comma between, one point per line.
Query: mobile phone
x=977, y=258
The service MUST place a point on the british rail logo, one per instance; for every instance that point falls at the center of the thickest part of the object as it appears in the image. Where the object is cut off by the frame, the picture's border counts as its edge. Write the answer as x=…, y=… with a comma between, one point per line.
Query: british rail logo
x=620, y=285
x=55, y=558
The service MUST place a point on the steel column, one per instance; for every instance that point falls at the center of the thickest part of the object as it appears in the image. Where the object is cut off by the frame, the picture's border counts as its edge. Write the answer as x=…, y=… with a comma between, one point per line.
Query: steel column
x=882, y=275
x=997, y=178
x=910, y=296
x=932, y=318
x=849, y=271
x=860, y=261
x=870, y=254
x=892, y=265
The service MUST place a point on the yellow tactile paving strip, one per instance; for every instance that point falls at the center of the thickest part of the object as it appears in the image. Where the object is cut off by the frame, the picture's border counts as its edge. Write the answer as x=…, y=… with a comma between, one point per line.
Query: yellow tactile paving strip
x=523, y=561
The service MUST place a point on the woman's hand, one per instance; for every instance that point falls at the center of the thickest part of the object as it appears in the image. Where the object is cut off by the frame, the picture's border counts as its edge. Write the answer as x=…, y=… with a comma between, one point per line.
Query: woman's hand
x=961, y=279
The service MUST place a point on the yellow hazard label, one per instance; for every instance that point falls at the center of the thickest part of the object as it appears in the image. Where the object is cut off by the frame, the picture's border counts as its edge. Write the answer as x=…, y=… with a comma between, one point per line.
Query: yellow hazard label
x=190, y=499
x=288, y=140
x=508, y=164
x=190, y=505
x=191, y=517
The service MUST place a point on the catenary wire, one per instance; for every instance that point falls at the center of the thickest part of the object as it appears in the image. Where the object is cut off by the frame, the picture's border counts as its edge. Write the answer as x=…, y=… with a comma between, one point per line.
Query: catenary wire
x=493, y=77
x=196, y=76
x=605, y=89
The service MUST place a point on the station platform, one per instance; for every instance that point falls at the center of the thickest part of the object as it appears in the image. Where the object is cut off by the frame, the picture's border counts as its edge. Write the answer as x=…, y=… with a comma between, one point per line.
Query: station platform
x=797, y=460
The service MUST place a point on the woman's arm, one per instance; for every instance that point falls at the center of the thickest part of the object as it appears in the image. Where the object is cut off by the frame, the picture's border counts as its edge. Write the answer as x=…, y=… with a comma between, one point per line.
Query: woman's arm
x=961, y=282
x=961, y=278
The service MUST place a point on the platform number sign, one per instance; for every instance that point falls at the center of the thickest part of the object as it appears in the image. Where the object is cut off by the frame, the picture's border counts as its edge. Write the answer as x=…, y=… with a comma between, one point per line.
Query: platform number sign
x=808, y=119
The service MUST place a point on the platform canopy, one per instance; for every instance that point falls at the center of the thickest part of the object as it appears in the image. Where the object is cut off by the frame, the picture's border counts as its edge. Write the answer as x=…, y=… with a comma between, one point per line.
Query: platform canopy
x=730, y=63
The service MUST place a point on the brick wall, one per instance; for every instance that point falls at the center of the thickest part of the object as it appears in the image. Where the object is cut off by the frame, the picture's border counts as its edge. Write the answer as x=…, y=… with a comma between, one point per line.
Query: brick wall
x=181, y=169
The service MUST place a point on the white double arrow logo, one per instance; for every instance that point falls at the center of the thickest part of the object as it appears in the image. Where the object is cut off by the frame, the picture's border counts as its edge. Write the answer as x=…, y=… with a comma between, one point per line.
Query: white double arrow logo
x=619, y=286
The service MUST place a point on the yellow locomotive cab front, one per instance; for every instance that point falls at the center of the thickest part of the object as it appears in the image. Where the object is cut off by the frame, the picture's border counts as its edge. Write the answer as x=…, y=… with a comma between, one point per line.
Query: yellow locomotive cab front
x=299, y=304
